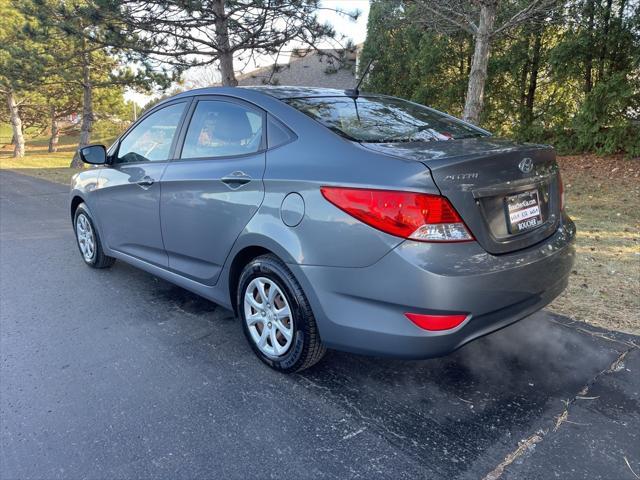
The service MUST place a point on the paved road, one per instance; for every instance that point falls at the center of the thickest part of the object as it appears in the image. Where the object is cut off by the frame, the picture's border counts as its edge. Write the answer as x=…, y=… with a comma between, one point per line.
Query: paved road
x=117, y=374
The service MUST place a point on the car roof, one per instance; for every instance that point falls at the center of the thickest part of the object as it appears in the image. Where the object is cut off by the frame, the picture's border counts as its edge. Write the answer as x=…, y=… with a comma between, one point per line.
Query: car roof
x=249, y=93
x=279, y=92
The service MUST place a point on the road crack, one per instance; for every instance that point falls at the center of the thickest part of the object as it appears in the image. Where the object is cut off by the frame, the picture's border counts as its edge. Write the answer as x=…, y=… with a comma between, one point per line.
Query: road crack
x=616, y=366
x=523, y=447
x=527, y=445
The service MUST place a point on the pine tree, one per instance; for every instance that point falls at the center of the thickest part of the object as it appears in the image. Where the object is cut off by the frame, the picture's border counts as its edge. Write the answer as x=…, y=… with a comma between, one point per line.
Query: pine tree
x=184, y=33
x=571, y=78
x=22, y=63
x=80, y=57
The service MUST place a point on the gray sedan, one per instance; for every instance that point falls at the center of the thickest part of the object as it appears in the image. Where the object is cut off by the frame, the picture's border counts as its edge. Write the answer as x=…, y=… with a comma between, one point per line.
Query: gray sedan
x=330, y=219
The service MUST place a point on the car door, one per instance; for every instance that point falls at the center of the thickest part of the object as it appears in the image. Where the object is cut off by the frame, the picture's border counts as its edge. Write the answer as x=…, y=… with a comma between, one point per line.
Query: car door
x=128, y=196
x=213, y=189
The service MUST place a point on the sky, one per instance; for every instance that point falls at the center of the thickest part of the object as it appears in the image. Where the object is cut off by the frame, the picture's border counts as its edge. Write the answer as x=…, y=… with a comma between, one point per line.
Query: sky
x=356, y=31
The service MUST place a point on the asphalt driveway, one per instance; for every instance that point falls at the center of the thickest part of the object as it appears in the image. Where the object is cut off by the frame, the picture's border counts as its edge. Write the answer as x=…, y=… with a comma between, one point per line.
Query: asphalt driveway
x=117, y=374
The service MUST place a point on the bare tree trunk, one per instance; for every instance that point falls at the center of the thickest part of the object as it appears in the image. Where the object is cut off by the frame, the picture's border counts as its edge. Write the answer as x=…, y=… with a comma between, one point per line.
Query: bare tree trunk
x=87, y=110
x=478, y=75
x=524, y=74
x=226, y=70
x=222, y=39
x=16, y=125
x=87, y=106
x=533, y=78
x=55, y=131
x=605, y=41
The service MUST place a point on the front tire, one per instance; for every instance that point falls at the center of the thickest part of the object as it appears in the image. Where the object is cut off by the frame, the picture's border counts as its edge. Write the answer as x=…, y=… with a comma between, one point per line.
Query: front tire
x=88, y=239
x=276, y=316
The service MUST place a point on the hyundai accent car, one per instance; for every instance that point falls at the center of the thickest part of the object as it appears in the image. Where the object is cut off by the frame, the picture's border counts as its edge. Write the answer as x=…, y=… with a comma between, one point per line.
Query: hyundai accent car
x=330, y=219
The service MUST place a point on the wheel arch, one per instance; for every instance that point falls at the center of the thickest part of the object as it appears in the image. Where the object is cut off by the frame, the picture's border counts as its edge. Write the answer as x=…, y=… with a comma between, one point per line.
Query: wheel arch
x=250, y=246
x=241, y=259
x=75, y=202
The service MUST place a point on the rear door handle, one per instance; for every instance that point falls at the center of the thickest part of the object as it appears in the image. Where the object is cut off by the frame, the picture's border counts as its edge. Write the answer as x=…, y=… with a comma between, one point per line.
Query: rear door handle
x=236, y=179
x=146, y=182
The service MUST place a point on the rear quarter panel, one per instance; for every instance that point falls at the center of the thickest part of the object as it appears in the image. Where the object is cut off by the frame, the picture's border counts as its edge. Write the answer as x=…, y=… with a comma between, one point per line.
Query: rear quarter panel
x=318, y=157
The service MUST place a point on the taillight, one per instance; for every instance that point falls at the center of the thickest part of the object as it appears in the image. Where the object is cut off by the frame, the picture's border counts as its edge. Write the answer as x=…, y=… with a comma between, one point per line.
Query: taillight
x=436, y=322
x=561, y=191
x=417, y=216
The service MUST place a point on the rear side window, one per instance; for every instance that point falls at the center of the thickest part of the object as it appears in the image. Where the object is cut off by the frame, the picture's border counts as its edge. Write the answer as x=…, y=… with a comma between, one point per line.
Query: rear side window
x=222, y=129
x=277, y=133
x=151, y=139
x=383, y=119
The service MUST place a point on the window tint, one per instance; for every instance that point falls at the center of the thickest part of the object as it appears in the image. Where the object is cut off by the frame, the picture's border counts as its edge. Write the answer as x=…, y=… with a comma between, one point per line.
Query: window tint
x=277, y=133
x=383, y=120
x=222, y=129
x=150, y=140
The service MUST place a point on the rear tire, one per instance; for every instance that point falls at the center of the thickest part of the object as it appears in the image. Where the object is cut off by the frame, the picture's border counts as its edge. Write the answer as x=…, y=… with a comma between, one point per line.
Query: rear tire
x=88, y=239
x=281, y=329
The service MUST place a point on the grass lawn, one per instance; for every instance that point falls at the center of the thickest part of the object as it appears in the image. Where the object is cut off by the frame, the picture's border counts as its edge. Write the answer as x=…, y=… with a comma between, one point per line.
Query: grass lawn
x=50, y=166
x=39, y=163
x=603, y=198
x=5, y=133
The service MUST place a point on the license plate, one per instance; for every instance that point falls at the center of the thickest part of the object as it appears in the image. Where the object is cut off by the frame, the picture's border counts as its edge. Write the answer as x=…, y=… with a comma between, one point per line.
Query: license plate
x=523, y=211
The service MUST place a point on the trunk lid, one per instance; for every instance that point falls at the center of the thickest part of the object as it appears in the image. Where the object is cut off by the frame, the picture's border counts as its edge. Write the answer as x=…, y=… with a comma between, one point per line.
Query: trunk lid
x=508, y=194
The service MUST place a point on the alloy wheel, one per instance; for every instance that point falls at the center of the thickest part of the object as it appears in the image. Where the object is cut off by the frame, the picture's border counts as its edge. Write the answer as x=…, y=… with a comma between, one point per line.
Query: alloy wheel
x=86, y=237
x=268, y=316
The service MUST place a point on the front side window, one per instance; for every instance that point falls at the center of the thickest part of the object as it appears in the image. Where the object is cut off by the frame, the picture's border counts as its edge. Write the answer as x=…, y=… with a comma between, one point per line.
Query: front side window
x=382, y=119
x=222, y=129
x=150, y=140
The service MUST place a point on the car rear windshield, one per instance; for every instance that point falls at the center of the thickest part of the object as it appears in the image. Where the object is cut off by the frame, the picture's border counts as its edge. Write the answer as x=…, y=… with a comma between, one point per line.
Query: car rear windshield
x=383, y=119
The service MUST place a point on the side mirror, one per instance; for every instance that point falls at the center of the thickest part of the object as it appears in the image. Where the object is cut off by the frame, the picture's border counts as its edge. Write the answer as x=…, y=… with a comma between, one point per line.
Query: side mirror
x=93, y=154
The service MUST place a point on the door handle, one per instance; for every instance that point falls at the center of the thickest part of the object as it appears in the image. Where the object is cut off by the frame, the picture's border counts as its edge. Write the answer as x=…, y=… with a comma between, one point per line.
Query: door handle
x=236, y=179
x=146, y=182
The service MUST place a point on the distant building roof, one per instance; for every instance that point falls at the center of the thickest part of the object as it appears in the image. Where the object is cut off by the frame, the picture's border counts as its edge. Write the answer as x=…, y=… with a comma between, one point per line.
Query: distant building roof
x=330, y=68
x=289, y=91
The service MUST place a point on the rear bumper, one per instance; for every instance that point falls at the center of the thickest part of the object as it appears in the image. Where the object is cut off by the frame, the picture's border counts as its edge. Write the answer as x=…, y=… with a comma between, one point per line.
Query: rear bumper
x=362, y=309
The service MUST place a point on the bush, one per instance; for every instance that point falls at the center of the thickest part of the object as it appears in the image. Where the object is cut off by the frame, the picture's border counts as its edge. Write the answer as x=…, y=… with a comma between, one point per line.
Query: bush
x=604, y=123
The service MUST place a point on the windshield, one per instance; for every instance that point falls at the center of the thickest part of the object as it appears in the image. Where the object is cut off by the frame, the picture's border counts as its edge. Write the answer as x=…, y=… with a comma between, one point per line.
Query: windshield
x=383, y=120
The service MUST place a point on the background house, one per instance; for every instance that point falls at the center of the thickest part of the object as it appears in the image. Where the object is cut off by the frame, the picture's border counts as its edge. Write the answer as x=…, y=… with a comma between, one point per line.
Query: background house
x=331, y=68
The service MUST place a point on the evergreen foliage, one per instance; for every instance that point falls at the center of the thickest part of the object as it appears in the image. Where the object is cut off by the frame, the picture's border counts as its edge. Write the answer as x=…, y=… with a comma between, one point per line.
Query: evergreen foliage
x=572, y=80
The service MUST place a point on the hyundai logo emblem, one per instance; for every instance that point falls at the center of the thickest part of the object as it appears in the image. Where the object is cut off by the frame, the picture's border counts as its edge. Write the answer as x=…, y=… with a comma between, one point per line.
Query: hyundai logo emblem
x=525, y=165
